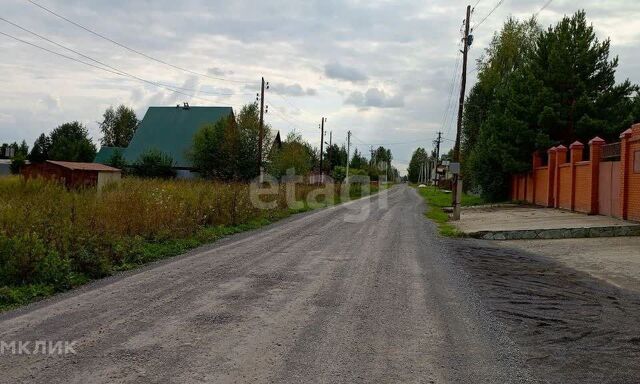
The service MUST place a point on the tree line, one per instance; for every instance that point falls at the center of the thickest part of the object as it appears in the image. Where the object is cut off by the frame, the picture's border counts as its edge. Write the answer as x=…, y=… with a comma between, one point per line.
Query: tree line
x=539, y=88
x=226, y=150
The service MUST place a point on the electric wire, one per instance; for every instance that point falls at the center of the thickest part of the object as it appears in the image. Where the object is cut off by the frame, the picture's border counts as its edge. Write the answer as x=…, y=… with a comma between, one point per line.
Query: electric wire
x=145, y=55
x=119, y=73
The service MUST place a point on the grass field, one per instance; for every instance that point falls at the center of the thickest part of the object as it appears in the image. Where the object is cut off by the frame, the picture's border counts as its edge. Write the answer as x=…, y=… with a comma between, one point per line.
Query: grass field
x=53, y=239
x=437, y=199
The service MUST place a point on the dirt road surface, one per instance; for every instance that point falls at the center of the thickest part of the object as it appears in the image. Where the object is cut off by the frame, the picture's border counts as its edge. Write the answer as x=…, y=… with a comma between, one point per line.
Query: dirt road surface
x=328, y=297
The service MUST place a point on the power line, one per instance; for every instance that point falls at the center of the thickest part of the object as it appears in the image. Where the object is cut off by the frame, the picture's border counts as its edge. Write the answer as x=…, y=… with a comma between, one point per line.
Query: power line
x=475, y=27
x=134, y=50
x=118, y=72
x=103, y=63
x=287, y=100
x=543, y=8
x=283, y=111
x=399, y=143
x=453, y=82
x=450, y=111
x=283, y=117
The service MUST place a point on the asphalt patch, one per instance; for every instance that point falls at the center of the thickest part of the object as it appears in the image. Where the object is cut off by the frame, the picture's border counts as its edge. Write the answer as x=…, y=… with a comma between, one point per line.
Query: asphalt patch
x=571, y=327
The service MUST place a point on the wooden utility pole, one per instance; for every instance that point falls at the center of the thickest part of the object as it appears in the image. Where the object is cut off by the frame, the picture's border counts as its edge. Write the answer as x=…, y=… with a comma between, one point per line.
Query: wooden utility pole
x=261, y=133
x=438, y=142
x=348, y=153
x=457, y=178
x=322, y=149
x=329, y=152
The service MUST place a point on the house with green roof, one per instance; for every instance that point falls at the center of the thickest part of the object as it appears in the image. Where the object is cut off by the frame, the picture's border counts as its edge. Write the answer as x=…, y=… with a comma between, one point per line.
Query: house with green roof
x=171, y=131
x=106, y=153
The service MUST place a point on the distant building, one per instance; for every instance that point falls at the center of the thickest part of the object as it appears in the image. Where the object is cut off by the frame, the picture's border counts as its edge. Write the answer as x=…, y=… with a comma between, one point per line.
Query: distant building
x=5, y=167
x=73, y=175
x=171, y=130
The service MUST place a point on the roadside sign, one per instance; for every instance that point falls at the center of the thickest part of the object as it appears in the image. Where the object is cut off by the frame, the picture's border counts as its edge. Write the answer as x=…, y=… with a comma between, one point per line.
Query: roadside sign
x=454, y=168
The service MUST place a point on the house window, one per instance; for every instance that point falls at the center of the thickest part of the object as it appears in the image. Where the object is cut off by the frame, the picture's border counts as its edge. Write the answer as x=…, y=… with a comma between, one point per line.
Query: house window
x=636, y=162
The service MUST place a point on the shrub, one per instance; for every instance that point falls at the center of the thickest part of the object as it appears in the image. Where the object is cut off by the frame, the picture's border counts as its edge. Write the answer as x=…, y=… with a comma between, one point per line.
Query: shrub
x=17, y=163
x=117, y=160
x=154, y=163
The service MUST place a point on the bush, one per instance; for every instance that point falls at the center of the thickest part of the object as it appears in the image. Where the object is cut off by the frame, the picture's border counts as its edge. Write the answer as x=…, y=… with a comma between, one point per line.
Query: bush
x=117, y=160
x=17, y=163
x=154, y=163
x=340, y=173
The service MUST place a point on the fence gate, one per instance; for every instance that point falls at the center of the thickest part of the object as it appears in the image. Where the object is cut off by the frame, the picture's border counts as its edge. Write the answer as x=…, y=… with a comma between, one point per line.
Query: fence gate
x=609, y=189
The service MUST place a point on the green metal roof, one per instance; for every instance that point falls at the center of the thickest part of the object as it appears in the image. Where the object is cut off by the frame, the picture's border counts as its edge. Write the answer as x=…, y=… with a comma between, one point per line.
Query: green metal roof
x=104, y=154
x=171, y=130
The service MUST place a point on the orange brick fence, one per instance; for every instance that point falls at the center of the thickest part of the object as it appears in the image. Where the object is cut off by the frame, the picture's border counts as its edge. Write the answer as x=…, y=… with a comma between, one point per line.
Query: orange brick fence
x=608, y=183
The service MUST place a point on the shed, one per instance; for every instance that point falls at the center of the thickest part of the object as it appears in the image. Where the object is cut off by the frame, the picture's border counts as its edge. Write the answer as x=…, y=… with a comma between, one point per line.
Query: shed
x=72, y=174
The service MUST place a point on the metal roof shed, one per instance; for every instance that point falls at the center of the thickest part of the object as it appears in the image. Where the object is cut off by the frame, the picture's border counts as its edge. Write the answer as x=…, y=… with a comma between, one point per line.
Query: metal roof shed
x=72, y=174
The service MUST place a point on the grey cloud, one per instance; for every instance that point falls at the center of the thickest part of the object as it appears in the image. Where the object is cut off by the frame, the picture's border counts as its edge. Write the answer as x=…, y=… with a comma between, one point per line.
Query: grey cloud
x=338, y=71
x=293, y=90
x=50, y=103
x=215, y=71
x=375, y=98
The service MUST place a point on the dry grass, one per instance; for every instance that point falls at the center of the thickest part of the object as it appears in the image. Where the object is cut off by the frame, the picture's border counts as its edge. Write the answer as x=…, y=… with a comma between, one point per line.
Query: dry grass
x=52, y=239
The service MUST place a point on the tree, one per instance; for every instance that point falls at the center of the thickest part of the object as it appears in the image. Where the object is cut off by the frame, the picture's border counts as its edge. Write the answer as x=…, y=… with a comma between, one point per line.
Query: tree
x=154, y=163
x=295, y=154
x=537, y=89
x=509, y=50
x=336, y=157
x=118, y=126
x=228, y=149
x=117, y=160
x=23, y=149
x=416, y=163
x=248, y=125
x=214, y=150
x=40, y=150
x=582, y=99
x=358, y=161
x=71, y=142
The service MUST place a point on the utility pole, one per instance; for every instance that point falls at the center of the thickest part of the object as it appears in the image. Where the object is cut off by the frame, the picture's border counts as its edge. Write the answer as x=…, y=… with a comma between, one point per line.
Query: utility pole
x=438, y=142
x=424, y=172
x=329, y=151
x=261, y=133
x=457, y=178
x=322, y=149
x=348, y=155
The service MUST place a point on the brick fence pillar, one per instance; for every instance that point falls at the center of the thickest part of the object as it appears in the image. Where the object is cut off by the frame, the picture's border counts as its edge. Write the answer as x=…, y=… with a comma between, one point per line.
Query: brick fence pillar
x=561, y=158
x=551, y=177
x=537, y=162
x=625, y=171
x=577, y=149
x=595, y=147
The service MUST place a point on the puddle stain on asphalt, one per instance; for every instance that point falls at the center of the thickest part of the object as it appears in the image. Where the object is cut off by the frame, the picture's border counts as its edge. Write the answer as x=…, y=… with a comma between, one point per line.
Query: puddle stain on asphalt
x=572, y=327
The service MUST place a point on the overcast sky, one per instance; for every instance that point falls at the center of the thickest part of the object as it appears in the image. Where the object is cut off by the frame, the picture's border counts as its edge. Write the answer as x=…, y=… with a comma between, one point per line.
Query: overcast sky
x=381, y=69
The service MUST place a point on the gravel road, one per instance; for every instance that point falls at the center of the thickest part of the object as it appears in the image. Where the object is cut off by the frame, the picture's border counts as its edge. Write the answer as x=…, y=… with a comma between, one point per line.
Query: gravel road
x=323, y=297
